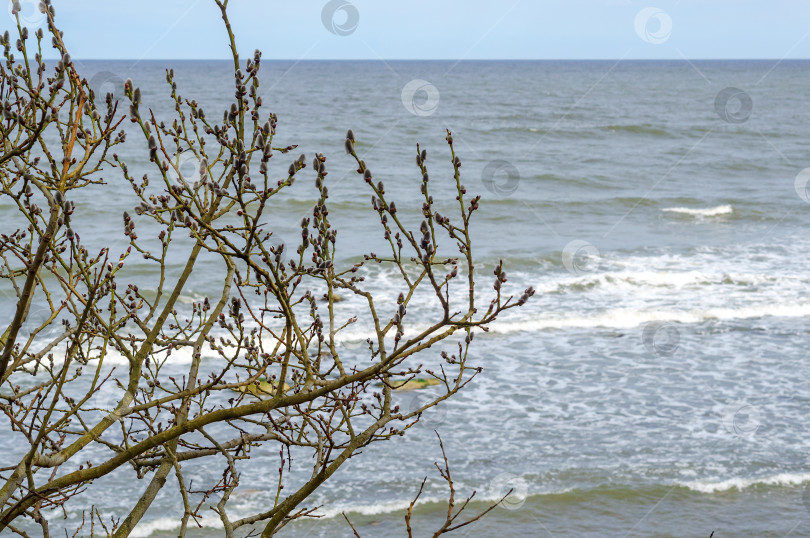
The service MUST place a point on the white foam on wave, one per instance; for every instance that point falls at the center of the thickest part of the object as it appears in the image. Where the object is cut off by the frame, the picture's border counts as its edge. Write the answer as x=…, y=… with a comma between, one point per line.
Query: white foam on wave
x=716, y=284
x=620, y=318
x=715, y=486
x=492, y=496
x=631, y=279
x=353, y=338
x=374, y=509
x=165, y=524
x=708, y=212
x=628, y=318
x=168, y=524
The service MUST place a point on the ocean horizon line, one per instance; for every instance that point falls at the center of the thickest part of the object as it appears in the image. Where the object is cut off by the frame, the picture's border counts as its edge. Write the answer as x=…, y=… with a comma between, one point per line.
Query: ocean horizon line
x=448, y=60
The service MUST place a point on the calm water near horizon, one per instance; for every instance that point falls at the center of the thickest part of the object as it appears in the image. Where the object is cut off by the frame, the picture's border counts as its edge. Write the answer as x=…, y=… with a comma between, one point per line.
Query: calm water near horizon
x=657, y=385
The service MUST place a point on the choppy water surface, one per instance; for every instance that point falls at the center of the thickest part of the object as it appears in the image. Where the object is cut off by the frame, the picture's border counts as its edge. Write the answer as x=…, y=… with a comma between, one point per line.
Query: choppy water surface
x=658, y=384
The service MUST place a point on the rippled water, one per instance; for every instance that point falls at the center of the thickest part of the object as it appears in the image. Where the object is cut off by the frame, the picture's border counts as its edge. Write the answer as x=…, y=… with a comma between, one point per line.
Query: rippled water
x=658, y=383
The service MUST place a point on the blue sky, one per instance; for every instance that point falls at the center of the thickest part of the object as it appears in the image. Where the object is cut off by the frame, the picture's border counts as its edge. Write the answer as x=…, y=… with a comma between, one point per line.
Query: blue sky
x=438, y=29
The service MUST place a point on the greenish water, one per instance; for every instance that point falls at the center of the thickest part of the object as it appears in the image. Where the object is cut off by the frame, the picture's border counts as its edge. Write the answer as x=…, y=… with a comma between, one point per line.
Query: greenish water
x=658, y=384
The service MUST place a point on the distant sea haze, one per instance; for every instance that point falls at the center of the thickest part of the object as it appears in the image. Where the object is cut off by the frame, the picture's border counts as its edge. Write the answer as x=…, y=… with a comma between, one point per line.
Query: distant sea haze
x=656, y=385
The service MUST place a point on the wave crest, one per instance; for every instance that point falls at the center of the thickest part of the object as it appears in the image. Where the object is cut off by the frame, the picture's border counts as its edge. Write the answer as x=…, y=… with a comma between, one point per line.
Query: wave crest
x=707, y=212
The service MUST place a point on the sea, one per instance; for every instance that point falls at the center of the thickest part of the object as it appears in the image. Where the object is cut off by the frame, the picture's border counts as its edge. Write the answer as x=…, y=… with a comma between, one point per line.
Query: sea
x=657, y=384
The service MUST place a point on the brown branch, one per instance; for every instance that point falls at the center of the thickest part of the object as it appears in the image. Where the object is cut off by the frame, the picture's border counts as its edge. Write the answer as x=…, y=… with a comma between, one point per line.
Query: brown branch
x=350, y=524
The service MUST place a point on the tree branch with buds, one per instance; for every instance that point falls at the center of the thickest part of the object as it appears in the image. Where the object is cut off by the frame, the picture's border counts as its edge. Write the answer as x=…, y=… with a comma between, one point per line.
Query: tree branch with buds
x=91, y=389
